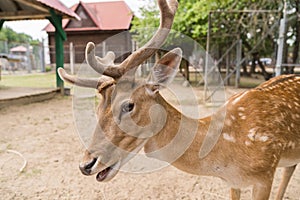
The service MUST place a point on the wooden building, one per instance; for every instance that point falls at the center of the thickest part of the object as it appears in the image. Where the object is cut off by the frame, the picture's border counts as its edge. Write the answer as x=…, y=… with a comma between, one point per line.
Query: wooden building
x=104, y=23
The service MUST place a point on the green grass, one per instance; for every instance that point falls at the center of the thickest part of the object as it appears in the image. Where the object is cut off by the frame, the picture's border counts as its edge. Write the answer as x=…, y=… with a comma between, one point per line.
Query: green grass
x=39, y=80
x=48, y=80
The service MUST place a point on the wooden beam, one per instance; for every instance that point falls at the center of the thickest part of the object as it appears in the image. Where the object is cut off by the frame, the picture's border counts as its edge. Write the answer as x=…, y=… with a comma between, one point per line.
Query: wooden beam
x=23, y=17
x=17, y=5
x=18, y=15
x=33, y=4
x=60, y=37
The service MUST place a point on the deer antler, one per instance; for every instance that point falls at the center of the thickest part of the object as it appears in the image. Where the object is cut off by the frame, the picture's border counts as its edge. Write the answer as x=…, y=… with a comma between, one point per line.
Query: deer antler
x=84, y=82
x=106, y=65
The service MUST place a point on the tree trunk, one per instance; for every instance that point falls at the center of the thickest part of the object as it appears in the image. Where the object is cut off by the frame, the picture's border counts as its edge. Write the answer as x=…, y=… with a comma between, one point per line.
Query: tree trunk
x=256, y=60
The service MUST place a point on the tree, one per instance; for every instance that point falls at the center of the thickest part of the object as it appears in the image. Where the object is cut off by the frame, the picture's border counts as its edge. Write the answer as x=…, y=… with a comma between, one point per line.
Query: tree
x=191, y=18
x=231, y=20
x=11, y=37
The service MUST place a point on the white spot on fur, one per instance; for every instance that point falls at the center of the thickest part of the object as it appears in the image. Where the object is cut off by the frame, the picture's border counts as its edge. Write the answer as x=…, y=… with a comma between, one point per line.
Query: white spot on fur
x=228, y=137
x=247, y=143
x=232, y=117
x=263, y=138
x=241, y=109
x=251, y=134
x=243, y=117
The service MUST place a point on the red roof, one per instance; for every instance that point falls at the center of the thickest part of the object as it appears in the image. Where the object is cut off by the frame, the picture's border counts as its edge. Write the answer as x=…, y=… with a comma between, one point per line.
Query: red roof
x=57, y=5
x=18, y=49
x=114, y=15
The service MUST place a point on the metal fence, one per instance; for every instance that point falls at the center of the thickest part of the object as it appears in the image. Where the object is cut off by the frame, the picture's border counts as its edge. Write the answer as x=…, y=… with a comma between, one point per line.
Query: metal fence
x=74, y=54
x=21, y=57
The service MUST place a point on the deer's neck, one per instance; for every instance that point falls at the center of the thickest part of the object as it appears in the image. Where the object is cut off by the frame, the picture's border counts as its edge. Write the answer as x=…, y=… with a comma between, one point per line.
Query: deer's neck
x=180, y=140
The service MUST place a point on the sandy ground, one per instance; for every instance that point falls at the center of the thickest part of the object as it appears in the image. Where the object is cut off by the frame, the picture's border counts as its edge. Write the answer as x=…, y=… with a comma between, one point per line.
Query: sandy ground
x=45, y=135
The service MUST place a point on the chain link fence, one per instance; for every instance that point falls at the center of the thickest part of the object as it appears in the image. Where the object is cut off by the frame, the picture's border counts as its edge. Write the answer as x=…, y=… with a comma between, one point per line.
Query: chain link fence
x=21, y=58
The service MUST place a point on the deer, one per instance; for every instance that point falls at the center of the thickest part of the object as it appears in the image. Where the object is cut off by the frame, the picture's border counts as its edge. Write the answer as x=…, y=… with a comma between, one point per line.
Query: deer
x=259, y=128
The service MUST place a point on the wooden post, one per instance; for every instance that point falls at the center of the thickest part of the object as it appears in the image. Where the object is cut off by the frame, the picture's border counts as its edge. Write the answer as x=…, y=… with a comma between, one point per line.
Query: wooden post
x=43, y=69
x=1, y=23
x=227, y=69
x=103, y=48
x=207, y=57
x=60, y=37
x=238, y=63
x=29, y=63
x=278, y=67
x=72, y=57
x=59, y=58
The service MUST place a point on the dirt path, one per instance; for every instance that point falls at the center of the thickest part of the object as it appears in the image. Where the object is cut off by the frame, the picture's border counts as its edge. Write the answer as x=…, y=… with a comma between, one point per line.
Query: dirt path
x=44, y=134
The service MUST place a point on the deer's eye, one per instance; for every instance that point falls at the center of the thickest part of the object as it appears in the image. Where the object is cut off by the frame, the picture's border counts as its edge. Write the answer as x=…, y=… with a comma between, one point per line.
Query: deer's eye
x=127, y=107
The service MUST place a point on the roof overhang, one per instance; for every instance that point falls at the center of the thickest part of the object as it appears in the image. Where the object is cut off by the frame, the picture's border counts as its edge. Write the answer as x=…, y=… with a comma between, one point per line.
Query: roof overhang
x=33, y=9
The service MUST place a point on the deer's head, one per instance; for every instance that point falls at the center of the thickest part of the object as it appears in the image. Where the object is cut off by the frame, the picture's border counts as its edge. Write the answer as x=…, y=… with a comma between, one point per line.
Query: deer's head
x=129, y=112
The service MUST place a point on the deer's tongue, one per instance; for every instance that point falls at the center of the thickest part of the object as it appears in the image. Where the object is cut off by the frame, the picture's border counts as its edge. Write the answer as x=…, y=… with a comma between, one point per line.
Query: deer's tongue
x=101, y=176
x=108, y=173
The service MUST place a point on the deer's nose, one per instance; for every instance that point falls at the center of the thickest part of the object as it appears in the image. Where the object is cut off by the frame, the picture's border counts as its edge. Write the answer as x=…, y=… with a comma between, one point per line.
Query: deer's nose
x=86, y=166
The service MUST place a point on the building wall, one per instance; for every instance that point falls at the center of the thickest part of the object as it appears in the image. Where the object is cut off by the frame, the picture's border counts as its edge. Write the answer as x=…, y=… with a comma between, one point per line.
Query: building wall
x=117, y=41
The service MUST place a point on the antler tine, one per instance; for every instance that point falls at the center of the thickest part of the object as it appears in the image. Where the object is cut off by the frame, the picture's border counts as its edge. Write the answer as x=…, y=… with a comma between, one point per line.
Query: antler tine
x=82, y=82
x=106, y=65
x=167, y=13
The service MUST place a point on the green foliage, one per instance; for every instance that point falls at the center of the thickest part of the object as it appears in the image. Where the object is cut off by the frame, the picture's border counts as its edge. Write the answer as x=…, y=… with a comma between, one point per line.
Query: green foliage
x=192, y=17
x=143, y=27
x=48, y=68
x=192, y=20
x=9, y=36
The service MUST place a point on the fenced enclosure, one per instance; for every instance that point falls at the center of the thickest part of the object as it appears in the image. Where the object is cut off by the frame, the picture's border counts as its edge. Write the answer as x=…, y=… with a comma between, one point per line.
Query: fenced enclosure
x=74, y=53
x=21, y=57
x=252, y=41
x=239, y=48
x=53, y=172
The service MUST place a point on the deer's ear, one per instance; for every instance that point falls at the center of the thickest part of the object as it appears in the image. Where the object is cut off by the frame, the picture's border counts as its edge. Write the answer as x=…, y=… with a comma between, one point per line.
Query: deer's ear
x=164, y=71
x=166, y=68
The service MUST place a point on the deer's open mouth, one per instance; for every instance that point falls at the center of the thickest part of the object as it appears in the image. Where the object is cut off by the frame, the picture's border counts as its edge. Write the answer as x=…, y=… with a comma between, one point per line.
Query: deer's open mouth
x=109, y=172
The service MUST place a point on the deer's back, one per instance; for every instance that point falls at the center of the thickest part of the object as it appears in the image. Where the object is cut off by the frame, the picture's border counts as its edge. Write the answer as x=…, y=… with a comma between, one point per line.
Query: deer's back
x=264, y=124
